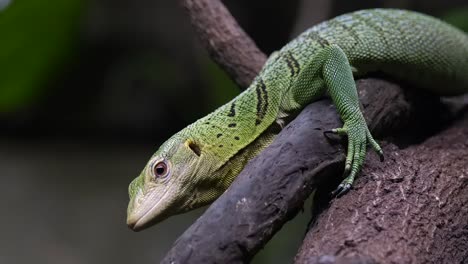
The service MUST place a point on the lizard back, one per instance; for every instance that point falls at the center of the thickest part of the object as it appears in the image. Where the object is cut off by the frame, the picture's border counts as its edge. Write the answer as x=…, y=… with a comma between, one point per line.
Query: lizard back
x=403, y=44
x=410, y=46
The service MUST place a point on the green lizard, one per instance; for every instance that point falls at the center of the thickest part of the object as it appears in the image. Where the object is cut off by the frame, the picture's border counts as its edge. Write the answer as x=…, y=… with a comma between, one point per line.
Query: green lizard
x=196, y=165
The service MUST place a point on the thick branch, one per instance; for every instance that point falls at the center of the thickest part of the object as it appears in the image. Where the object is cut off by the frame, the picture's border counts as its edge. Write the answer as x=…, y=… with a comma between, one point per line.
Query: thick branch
x=228, y=45
x=412, y=209
x=274, y=185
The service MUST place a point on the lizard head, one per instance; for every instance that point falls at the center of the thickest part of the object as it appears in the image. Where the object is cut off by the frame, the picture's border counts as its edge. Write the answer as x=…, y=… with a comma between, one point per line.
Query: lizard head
x=176, y=179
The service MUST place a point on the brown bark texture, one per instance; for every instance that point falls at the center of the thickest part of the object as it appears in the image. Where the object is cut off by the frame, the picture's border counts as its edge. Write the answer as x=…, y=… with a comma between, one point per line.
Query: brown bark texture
x=411, y=209
x=408, y=209
x=226, y=42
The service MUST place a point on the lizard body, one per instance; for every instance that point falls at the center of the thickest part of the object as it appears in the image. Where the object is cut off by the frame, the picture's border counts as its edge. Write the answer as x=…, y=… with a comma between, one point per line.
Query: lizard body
x=198, y=164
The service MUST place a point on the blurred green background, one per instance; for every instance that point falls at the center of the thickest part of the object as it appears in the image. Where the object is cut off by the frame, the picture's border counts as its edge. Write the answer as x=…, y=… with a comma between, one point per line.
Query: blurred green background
x=89, y=89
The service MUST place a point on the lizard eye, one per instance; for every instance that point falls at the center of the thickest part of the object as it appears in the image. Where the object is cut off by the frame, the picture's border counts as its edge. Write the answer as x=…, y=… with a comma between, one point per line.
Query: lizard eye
x=160, y=169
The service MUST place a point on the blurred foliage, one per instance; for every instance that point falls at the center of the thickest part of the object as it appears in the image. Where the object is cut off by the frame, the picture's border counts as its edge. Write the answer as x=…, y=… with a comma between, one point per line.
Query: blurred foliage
x=36, y=38
x=458, y=18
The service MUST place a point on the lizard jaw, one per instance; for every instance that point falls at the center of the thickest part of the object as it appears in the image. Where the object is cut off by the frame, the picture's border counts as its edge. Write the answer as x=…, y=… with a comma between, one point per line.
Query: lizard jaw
x=144, y=215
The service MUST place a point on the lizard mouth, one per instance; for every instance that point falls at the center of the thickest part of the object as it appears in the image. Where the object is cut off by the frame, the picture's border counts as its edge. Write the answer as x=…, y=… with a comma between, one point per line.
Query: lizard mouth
x=138, y=220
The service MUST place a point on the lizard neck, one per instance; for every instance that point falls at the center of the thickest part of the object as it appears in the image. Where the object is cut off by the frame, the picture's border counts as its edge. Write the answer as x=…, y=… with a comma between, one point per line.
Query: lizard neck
x=231, y=131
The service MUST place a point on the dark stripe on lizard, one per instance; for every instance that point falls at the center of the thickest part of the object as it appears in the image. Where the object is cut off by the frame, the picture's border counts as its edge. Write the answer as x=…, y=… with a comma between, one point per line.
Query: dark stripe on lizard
x=348, y=29
x=316, y=37
x=368, y=22
x=232, y=110
x=289, y=63
x=292, y=63
x=262, y=101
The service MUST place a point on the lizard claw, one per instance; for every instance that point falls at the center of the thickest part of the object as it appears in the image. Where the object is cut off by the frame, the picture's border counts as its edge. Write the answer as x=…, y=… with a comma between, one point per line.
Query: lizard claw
x=327, y=133
x=358, y=139
x=335, y=131
x=342, y=189
x=381, y=156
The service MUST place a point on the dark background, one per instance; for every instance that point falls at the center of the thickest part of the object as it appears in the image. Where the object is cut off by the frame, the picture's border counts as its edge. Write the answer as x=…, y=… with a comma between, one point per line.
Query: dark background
x=90, y=89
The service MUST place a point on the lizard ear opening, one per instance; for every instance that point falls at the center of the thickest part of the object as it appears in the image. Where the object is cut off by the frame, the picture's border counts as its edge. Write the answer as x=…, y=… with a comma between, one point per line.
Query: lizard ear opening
x=194, y=147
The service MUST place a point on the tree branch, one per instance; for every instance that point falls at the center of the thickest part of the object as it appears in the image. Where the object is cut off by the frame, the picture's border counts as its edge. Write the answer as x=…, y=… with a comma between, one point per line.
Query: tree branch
x=412, y=209
x=228, y=45
x=273, y=186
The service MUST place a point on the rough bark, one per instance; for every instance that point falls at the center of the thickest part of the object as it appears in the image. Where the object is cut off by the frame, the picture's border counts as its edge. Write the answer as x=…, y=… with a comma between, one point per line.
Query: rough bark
x=228, y=45
x=412, y=209
x=273, y=186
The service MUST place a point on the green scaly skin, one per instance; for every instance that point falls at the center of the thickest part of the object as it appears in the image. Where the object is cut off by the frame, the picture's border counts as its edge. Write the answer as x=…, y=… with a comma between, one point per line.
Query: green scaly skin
x=198, y=164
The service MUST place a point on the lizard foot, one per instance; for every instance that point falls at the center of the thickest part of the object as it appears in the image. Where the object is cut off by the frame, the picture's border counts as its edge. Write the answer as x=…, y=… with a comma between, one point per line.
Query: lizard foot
x=358, y=139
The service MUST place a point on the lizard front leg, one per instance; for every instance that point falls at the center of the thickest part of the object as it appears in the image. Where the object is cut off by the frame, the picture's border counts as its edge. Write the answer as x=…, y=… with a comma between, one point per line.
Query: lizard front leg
x=340, y=85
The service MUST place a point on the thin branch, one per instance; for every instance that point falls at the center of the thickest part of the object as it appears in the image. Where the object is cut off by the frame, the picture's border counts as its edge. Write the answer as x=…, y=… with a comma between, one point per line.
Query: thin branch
x=228, y=45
